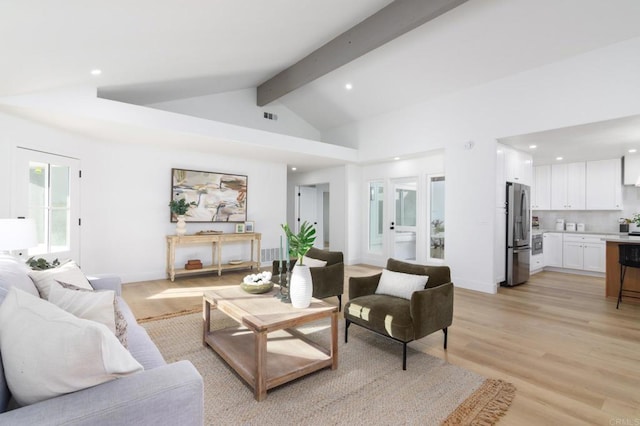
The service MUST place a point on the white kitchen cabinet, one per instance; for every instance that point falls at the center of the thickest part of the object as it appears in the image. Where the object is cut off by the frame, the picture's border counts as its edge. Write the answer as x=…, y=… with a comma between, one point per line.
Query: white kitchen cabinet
x=537, y=263
x=631, y=169
x=541, y=188
x=572, y=255
x=594, y=256
x=552, y=249
x=604, y=185
x=518, y=166
x=584, y=252
x=568, y=186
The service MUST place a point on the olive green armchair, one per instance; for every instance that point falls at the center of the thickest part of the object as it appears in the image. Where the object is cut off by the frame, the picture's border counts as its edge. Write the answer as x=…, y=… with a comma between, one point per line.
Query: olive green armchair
x=328, y=280
x=402, y=319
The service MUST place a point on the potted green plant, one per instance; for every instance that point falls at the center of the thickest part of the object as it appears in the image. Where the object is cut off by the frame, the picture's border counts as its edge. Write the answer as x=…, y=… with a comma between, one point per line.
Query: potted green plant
x=301, y=286
x=300, y=243
x=180, y=208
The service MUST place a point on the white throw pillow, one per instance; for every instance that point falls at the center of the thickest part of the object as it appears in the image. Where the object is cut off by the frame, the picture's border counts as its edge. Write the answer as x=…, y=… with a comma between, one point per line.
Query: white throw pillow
x=400, y=284
x=68, y=273
x=48, y=352
x=313, y=263
x=90, y=305
x=15, y=273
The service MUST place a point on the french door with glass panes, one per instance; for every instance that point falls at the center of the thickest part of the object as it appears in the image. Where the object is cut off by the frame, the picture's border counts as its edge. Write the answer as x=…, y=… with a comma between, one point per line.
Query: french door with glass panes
x=393, y=215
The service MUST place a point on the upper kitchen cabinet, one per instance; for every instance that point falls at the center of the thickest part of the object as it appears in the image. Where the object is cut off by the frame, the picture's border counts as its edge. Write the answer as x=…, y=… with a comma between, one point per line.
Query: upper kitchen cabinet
x=518, y=166
x=631, y=169
x=604, y=185
x=541, y=189
x=568, y=186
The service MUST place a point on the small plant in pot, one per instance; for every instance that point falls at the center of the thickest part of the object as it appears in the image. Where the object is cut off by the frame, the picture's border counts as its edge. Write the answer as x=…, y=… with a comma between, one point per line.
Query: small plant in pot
x=300, y=243
x=180, y=208
x=301, y=287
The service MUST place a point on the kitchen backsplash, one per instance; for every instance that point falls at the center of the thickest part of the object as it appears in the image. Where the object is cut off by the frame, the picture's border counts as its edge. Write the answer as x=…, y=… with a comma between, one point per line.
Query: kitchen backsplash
x=594, y=220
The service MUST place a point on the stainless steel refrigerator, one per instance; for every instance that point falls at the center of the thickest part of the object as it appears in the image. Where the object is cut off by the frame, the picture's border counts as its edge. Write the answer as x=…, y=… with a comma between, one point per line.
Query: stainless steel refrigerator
x=518, y=234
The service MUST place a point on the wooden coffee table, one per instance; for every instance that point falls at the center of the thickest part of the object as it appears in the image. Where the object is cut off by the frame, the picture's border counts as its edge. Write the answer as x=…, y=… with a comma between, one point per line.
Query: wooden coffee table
x=264, y=348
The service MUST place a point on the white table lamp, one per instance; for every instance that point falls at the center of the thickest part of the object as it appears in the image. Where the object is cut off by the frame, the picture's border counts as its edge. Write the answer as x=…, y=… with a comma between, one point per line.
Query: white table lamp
x=17, y=234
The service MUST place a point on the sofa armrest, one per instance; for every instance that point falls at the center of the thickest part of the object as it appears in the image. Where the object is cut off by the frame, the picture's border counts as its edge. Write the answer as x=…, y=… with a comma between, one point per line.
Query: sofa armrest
x=106, y=282
x=327, y=280
x=432, y=309
x=363, y=286
x=171, y=394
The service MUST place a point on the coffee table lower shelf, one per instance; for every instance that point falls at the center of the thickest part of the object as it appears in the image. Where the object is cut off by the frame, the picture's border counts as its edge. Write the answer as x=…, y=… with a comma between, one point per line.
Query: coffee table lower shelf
x=289, y=355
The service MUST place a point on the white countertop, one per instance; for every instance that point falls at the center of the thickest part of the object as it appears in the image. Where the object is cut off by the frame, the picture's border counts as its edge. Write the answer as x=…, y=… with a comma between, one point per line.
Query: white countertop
x=623, y=238
x=542, y=231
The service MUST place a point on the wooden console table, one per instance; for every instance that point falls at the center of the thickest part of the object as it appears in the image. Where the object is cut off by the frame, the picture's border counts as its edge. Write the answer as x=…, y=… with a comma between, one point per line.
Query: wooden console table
x=216, y=241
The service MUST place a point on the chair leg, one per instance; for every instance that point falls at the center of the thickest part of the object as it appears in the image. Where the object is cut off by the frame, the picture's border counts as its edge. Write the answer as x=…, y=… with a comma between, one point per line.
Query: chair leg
x=346, y=330
x=623, y=269
x=404, y=355
x=339, y=303
x=444, y=330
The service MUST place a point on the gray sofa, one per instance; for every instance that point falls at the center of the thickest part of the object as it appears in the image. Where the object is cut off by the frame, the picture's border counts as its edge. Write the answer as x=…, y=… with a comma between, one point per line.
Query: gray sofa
x=161, y=394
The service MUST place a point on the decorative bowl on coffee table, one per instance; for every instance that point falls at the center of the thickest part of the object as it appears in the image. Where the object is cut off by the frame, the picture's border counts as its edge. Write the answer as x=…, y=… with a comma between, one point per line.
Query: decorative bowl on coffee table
x=256, y=288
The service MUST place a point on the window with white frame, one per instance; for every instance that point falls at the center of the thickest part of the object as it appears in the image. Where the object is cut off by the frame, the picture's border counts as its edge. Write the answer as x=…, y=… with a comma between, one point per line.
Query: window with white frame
x=47, y=191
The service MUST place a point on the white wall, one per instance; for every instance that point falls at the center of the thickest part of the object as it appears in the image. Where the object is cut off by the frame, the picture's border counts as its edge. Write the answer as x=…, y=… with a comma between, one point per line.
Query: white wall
x=125, y=190
x=598, y=85
x=239, y=107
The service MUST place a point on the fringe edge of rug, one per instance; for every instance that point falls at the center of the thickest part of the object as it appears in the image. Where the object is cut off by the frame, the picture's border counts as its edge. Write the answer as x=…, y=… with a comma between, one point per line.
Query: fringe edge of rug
x=484, y=406
x=171, y=315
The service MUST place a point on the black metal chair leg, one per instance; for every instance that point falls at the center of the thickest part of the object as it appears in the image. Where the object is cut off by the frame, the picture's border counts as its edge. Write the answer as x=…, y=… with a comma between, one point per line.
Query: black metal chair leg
x=444, y=330
x=623, y=269
x=339, y=303
x=346, y=330
x=404, y=355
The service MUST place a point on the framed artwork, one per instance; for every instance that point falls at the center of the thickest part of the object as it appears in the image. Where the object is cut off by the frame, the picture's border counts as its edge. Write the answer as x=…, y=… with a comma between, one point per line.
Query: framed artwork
x=239, y=228
x=218, y=197
x=248, y=226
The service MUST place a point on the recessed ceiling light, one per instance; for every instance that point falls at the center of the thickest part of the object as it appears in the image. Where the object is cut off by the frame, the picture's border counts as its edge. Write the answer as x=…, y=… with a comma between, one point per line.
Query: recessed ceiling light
x=396, y=158
x=559, y=158
x=533, y=146
x=632, y=150
x=348, y=86
x=96, y=72
x=294, y=169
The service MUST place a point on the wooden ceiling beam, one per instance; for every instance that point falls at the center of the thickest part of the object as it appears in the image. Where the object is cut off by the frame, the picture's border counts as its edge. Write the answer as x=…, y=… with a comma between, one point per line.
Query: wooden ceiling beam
x=392, y=21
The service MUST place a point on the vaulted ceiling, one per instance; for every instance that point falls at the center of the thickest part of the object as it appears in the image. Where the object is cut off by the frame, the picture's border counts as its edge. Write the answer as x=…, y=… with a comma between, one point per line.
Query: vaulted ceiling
x=151, y=51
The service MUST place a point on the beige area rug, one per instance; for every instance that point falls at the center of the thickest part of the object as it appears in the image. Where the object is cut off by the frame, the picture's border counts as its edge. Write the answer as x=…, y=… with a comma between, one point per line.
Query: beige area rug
x=369, y=386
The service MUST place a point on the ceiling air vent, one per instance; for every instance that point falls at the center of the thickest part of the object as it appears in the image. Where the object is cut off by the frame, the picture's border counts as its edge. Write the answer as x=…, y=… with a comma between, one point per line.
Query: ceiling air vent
x=270, y=116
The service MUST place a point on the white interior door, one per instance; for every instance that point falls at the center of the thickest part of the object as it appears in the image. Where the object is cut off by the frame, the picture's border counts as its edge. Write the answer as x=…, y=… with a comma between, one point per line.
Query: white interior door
x=310, y=210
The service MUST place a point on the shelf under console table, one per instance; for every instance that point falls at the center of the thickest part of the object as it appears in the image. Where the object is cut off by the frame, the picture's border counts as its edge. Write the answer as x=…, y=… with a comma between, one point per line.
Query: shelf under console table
x=217, y=241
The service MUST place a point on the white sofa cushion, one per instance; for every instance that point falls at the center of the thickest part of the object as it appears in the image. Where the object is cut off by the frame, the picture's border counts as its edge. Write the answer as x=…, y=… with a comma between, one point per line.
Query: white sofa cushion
x=48, y=352
x=313, y=263
x=399, y=284
x=15, y=273
x=90, y=305
x=120, y=323
x=68, y=273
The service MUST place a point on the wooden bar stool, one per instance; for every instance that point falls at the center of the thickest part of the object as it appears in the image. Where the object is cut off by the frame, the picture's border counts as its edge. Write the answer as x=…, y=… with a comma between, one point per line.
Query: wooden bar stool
x=628, y=256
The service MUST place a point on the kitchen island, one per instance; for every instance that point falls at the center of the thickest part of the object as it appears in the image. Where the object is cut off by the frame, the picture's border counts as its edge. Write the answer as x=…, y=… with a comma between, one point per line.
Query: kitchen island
x=612, y=275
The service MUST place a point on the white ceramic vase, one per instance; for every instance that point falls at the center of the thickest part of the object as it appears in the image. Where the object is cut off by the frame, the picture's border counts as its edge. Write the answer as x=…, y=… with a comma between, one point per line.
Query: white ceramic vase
x=300, y=287
x=181, y=226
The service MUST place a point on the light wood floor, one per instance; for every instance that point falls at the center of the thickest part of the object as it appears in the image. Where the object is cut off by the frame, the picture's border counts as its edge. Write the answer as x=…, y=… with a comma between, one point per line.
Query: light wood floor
x=573, y=357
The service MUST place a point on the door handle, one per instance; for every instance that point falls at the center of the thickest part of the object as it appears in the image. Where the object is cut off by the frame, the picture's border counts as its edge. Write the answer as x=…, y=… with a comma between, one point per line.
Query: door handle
x=392, y=225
